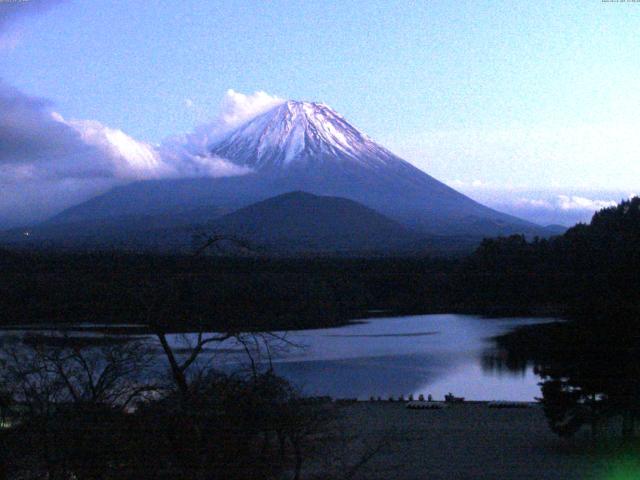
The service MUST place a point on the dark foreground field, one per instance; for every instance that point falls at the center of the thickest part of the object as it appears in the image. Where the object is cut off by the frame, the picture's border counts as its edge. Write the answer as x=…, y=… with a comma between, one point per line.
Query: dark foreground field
x=472, y=441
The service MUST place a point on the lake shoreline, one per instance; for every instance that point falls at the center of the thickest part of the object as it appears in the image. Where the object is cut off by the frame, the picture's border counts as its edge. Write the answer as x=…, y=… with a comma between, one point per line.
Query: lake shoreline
x=501, y=312
x=381, y=357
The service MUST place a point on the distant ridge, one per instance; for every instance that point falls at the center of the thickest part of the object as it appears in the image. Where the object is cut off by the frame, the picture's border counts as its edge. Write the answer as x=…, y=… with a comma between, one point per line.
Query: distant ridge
x=302, y=222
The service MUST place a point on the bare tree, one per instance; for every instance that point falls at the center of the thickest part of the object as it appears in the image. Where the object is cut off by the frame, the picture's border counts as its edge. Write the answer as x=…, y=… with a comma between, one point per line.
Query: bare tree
x=204, y=243
x=114, y=373
x=71, y=397
x=160, y=301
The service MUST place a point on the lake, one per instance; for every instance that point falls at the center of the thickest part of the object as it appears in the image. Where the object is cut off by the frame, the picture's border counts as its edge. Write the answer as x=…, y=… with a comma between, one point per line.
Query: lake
x=379, y=357
x=411, y=355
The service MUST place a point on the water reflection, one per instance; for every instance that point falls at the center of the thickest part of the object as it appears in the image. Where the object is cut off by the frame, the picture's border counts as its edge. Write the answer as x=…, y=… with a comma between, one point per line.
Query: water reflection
x=382, y=357
x=502, y=362
x=589, y=370
x=426, y=354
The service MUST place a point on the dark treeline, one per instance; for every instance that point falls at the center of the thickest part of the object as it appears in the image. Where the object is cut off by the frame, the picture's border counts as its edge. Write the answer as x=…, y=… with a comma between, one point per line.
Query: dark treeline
x=590, y=365
x=591, y=270
x=221, y=292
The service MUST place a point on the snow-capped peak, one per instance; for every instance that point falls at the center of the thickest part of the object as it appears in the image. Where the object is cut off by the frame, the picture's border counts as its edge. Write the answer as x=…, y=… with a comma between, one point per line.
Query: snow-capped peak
x=301, y=133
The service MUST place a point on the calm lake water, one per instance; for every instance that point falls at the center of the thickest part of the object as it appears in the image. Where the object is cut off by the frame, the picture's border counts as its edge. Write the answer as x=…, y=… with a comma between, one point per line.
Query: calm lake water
x=422, y=354
x=381, y=357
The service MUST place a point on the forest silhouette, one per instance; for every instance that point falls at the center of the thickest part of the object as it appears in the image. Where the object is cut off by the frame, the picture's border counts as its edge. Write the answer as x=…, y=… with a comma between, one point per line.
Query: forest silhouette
x=590, y=364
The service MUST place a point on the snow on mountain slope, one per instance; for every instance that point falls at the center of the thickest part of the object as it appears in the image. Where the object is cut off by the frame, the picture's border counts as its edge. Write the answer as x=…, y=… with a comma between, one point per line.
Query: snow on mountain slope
x=296, y=133
x=308, y=146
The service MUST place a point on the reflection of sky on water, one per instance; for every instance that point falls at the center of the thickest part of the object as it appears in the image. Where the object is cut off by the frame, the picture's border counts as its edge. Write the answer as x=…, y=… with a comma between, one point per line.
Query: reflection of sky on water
x=475, y=383
x=423, y=354
x=363, y=377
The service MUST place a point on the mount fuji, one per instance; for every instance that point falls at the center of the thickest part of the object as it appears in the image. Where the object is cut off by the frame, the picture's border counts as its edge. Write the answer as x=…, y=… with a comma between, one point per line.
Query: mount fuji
x=304, y=147
x=309, y=147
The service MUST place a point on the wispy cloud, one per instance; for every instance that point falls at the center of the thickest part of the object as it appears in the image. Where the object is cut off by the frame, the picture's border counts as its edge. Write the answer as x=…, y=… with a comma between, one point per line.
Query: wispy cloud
x=235, y=109
x=37, y=143
x=566, y=203
x=581, y=203
x=40, y=151
x=546, y=207
x=48, y=162
x=476, y=183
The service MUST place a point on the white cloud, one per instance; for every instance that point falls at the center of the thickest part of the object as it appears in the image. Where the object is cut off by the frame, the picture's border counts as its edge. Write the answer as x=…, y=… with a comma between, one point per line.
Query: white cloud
x=534, y=203
x=43, y=145
x=37, y=143
x=40, y=151
x=235, y=109
x=184, y=163
x=549, y=206
x=48, y=163
x=473, y=184
x=575, y=202
x=129, y=159
x=565, y=203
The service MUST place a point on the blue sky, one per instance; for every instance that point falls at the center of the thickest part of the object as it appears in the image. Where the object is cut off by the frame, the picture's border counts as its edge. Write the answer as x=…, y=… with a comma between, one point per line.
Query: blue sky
x=508, y=101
